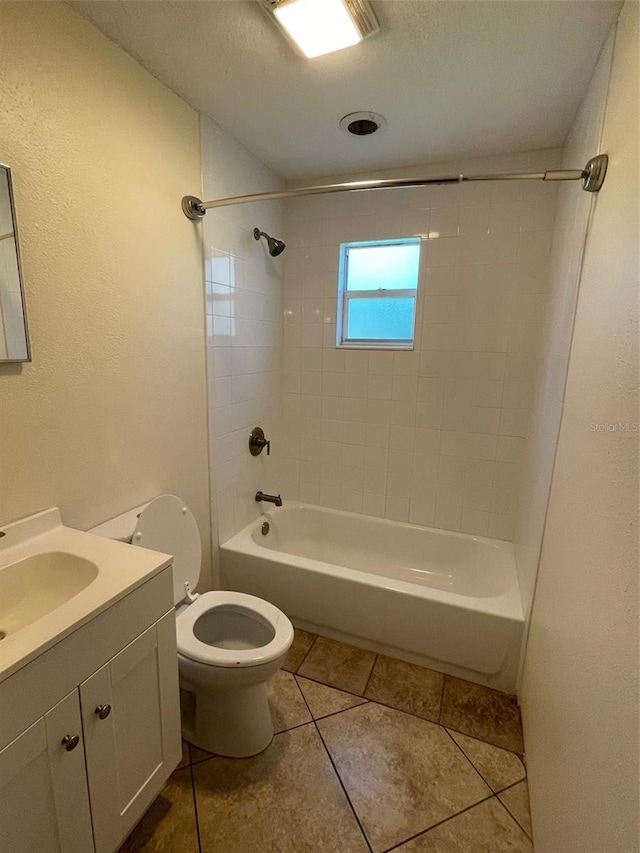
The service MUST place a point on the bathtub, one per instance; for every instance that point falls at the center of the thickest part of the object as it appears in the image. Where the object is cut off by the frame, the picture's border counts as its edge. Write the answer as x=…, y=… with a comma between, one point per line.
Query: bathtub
x=445, y=600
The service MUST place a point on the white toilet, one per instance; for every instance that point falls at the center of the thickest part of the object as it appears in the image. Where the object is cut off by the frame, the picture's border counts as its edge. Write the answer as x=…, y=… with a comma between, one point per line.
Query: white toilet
x=229, y=643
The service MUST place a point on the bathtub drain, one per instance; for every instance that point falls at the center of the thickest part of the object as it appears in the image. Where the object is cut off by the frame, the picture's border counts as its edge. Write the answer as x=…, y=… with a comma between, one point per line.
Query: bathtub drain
x=265, y=528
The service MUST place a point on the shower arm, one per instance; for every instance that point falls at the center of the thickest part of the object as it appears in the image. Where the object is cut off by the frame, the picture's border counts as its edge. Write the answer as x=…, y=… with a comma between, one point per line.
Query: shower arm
x=592, y=177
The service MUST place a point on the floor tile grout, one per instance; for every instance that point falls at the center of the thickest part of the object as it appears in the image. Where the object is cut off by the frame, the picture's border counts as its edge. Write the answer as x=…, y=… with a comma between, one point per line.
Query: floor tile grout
x=335, y=769
x=411, y=714
x=306, y=654
x=324, y=684
x=195, y=802
x=375, y=661
x=493, y=794
x=444, y=681
x=398, y=689
x=468, y=759
x=505, y=806
x=445, y=677
x=438, y=721
x=332, y=713
x=439, y=823
x=482, y=740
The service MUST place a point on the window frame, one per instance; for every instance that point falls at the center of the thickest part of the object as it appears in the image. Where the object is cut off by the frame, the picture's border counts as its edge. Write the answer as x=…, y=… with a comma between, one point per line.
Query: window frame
x=345, y=296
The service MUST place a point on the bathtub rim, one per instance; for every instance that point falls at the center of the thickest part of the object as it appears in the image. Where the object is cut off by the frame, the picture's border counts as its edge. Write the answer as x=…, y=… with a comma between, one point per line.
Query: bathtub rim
x=508, y=605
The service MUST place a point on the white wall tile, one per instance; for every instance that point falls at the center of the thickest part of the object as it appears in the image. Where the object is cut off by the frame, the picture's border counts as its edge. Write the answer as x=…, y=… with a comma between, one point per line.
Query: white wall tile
x=373, y=504
x=243, y=295
x=463, y=395
x=397, y=508
x=475, y=521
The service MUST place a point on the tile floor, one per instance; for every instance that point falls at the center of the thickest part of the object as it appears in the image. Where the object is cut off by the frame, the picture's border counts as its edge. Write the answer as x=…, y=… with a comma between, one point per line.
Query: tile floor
x=370, y=755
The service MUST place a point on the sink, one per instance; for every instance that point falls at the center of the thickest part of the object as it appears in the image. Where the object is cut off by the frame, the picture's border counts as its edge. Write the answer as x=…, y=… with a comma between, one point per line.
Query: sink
x=34, y=586
x=54, y=579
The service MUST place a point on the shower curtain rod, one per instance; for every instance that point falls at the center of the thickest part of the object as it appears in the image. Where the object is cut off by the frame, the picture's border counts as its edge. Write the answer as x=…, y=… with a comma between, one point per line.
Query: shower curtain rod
x=592, y=177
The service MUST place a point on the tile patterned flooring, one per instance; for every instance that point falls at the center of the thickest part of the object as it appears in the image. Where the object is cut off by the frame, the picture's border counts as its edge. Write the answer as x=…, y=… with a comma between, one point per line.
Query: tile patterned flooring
x=371, y=755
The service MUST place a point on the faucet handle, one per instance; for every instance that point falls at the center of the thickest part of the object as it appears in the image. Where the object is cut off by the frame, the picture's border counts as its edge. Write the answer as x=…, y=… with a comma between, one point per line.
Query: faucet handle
x=257, y=442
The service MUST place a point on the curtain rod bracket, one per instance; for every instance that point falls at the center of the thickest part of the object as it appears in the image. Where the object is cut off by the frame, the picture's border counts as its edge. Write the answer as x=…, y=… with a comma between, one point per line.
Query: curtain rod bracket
x=594, y=173
x=192, y=208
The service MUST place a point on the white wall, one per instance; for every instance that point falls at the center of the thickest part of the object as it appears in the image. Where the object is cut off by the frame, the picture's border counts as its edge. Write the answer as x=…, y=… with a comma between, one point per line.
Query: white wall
x=434, y=436
x=112, y=409
x=570, y=229
x=244, y=329
x=580, y=687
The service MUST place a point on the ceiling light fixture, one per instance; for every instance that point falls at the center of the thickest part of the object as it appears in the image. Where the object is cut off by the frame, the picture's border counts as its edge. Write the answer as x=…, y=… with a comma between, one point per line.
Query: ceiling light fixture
x=317, y=27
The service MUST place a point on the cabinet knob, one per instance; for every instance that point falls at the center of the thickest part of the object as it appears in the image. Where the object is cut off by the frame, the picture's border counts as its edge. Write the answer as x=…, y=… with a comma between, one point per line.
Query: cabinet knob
x=103, y=711
x=70, y=742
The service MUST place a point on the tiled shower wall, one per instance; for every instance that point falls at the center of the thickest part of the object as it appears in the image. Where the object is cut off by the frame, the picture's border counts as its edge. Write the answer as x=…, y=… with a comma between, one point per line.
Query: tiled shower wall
x=434, y=436
x=243, y=291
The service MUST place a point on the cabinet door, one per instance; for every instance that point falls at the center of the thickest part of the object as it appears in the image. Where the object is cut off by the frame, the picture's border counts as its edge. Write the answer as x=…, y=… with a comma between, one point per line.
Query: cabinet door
x=44, y=804
x=133, y=744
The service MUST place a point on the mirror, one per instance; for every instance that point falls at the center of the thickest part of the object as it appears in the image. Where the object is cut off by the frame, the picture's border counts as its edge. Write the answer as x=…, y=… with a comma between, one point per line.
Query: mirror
x=14, y=339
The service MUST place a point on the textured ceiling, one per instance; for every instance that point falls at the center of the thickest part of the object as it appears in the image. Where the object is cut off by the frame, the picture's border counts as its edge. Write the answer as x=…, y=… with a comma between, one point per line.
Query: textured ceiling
x=473, y=77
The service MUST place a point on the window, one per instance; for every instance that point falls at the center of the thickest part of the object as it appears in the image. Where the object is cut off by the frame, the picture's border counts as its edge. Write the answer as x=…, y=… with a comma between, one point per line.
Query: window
x=377, y=290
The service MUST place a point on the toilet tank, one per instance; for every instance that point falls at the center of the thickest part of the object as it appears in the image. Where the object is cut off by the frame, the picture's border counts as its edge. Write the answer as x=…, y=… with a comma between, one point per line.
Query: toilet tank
x=122, y=526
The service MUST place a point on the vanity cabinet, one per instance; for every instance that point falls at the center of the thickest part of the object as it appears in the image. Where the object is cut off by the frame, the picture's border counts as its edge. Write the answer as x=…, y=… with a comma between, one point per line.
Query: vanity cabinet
x=79, y=776
x=130, y=715
x=44, y=802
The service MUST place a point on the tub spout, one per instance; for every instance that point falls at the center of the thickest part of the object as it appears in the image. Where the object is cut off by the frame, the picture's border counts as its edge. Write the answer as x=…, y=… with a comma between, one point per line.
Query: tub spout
x=272, y=499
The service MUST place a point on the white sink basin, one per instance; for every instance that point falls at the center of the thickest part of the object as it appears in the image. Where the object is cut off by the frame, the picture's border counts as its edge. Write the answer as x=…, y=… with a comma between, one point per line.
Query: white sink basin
x=35, y=586
x=53, y=579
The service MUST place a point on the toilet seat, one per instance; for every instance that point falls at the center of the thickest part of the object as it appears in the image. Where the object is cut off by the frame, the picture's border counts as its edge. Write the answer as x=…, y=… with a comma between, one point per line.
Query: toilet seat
x=245, y=605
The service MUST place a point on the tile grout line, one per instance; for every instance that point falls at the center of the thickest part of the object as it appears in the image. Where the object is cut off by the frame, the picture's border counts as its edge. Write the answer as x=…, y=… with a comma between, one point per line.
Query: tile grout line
x=489, y=742
x=339, y=778
x=335, y=769
x=445, y=677
x=439, y=823
x=324, y=684
x=195, y=801
x=508, y=810
x=306, y=654
x=455, y=742
x=275, y=735
x=411, y=714
x=375, y=661
x=512, y=785
x=332, y=713
x=444, y=681
x=313, y=720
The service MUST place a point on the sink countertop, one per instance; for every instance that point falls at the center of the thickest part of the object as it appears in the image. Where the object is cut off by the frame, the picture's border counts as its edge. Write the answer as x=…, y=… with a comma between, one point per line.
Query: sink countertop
x=121, y=569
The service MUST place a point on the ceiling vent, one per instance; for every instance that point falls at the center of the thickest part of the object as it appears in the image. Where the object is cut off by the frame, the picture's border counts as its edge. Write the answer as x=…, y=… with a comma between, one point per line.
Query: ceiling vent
x=362, y=124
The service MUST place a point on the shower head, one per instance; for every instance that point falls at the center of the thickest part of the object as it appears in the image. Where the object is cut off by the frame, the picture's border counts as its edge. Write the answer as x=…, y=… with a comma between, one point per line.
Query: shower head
x=276, y=247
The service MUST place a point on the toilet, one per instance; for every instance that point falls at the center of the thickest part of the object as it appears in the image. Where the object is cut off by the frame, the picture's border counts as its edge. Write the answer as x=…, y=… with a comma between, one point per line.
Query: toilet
x=229, y=643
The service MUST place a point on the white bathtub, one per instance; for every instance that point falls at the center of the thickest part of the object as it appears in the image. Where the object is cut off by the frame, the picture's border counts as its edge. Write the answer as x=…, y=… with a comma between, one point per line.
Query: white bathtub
x=444, y=600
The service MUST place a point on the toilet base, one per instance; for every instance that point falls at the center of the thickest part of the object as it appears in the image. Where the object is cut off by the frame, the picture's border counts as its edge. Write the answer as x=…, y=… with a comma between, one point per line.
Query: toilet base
x=233, y=722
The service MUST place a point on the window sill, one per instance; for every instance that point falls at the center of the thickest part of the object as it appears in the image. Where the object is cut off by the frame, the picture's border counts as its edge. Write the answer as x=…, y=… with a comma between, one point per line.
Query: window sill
x=376, y=346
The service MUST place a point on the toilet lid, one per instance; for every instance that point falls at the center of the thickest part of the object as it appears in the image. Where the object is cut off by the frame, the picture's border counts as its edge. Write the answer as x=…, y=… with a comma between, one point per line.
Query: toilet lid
x=167, y=524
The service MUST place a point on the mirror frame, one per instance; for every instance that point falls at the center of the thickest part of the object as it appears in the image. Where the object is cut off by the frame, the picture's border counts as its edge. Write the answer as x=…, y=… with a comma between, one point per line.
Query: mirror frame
x=20, y=275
